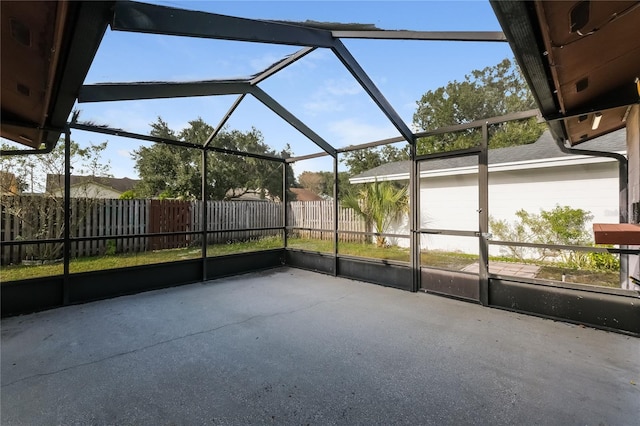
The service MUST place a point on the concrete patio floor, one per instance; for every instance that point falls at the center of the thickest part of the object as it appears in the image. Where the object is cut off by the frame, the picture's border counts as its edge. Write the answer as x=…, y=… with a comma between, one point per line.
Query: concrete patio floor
x=288, y=346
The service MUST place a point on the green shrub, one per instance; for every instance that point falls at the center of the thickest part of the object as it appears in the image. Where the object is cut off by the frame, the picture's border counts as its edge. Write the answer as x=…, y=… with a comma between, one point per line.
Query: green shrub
x=604, y=261
x=561, y=225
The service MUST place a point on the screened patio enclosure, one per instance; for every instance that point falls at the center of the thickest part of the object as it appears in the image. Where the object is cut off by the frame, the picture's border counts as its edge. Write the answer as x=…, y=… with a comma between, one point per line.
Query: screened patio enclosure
x=595, y=305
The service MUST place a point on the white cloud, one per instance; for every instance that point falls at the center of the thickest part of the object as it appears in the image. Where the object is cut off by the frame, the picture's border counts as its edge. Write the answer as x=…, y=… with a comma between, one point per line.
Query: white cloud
x=328, y=97
x=132, y=118
x=261, y=63
x=354, y=132
x=342, y=87
x=313, y=165
x=314, y=59
x=325, y=105
x=124, y=153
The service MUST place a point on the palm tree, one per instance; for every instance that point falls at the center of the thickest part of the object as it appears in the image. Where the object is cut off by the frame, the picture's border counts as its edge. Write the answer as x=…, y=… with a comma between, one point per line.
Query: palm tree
x=379, y=204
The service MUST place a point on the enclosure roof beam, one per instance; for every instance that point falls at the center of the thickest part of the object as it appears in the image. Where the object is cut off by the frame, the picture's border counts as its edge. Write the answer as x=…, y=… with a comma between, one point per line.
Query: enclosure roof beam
x=215, y=132
x=372, y=144
x=348, y=149
x=306, y=157
x=479, y=123
x=367, y=84
x=486, y=36
x=447, y=129
x=131, y=91
x=105, y=92
x=148, y=18
x=274, y=106
x=166, y=141
x=281, y=65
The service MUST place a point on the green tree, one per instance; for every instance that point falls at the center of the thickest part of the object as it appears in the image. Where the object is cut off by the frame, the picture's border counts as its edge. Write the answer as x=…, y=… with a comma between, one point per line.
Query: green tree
x=366, y=159
x=32, y=171
x=168, y=171
x=43, y=174
x=321, y=183
x=128, y=195
x=379, y=204
x=490, y=92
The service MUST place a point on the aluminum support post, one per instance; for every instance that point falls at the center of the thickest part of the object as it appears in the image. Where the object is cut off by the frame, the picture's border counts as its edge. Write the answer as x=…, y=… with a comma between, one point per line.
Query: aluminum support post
x=335, y=215
x=483, y=214
x=414, y=218
x=67, y=216
x=203, y=212
x=285, y=215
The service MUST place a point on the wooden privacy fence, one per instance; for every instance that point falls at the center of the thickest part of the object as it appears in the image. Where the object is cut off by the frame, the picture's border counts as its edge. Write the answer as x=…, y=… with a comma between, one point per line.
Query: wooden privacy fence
x=30, y=218
x=107, y=217
x=169, y=216
x=42, y=217
x=233, y=216
x=319, y=215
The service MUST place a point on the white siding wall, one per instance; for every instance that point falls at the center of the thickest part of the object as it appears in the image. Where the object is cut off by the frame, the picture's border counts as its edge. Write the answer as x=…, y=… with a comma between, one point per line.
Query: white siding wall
x=89, y=191
x=633, y=149
x=451, y=202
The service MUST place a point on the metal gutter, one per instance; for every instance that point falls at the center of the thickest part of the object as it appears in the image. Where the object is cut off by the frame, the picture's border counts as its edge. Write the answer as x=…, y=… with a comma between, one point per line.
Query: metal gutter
x=623, y=182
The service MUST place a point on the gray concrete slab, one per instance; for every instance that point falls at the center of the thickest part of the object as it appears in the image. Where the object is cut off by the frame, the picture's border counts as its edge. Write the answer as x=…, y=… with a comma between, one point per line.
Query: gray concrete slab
x=293, y=347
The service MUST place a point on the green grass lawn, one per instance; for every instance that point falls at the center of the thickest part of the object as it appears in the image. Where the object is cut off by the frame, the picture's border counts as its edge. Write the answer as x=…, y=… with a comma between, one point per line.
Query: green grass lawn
x=580, y=276
x=351, y=249
x=96, y=263
x=446, y=260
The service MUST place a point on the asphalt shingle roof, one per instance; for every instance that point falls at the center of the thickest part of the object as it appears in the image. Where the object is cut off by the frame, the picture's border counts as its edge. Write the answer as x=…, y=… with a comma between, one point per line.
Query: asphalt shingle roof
x=55, y=182
x=544, y=147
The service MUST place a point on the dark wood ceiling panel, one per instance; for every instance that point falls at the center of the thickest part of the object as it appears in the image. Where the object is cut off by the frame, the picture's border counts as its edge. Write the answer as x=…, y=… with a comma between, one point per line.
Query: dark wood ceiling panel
x=580, y=127
x=28, y=31
x=594, y=63
x=603, y=58
x=602, y=79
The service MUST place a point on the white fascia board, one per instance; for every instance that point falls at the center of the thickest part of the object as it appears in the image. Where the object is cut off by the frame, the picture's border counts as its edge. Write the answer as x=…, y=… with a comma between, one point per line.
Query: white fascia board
x=502, y=167
x=369, y=179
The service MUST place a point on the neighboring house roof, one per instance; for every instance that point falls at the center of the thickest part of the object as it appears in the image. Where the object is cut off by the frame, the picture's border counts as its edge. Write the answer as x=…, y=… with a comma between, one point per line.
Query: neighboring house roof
x=55, y=182
x=544, y=150
x=303, y=194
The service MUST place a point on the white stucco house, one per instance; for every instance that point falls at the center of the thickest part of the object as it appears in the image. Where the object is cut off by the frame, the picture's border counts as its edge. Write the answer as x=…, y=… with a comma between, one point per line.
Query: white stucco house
x=530, y=177
x=90, y=186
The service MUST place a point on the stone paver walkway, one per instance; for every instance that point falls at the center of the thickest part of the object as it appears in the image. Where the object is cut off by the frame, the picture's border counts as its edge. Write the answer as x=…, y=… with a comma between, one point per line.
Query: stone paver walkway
x=506, y=268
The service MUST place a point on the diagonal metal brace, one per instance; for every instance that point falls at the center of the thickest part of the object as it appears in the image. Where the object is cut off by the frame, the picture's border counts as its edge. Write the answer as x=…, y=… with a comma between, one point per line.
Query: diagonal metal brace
x=274, y=106
x=367, y=84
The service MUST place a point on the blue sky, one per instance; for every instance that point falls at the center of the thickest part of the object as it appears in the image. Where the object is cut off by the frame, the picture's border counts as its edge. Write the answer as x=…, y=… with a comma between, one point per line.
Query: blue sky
x=317, y=89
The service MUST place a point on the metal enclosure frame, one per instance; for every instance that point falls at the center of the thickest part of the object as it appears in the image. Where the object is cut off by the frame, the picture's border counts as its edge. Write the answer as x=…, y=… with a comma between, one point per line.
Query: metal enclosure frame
x=502, y=292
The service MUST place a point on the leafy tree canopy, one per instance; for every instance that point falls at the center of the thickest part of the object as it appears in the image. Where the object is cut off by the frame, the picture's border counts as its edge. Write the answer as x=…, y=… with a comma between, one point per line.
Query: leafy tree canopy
x=22, y=173
x=486, y=93
x=366, y=159
x=168, y=171
x=321, y=183
x=44, y=174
